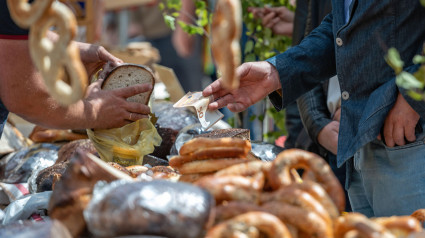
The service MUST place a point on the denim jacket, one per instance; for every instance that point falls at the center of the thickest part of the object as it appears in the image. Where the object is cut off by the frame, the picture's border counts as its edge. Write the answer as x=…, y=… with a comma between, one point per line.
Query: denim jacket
x=355, y=52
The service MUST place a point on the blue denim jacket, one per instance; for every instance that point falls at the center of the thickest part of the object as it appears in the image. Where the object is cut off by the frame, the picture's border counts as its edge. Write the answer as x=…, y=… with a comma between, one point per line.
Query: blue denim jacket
x=3, y=117
x=355, y=52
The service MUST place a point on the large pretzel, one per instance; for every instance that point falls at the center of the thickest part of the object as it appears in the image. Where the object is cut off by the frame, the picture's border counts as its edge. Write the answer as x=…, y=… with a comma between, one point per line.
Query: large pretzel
x=57, y=60
x=315, y=168
x=226, y=31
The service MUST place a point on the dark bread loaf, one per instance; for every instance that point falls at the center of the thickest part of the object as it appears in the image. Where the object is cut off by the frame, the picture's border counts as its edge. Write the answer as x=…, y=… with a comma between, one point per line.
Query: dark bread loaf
x=47, y=177
x=127, y=75
x=231, y=132
x=69, y=149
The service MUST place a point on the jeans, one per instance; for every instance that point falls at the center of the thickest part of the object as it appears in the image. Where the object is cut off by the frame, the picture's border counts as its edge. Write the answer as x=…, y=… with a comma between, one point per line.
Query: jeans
x=388, y=181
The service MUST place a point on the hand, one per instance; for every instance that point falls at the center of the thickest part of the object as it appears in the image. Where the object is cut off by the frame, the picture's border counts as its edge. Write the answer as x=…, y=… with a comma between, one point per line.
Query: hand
x=400, y=123
x=95, y=57
x=257, y=80
x=109, y=109
x=328, y=137
x=279, y=19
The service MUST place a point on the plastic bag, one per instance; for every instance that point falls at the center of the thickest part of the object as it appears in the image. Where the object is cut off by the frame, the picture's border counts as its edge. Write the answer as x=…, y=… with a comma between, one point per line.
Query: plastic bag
x=128, y=144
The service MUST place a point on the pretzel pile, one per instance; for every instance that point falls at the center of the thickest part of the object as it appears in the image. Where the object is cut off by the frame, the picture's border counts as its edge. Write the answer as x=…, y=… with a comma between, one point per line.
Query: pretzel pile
x=202, y=156
x=308, y=205
x=58, y=60
x=226, y=30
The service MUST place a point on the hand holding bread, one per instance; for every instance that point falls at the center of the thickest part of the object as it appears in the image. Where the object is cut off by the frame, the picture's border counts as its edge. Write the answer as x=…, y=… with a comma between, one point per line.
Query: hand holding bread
x=121, y=97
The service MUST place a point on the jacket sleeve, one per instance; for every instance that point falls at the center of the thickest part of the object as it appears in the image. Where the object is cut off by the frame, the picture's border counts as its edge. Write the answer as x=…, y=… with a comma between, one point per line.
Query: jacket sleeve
x=304, y=66
x=314, y=112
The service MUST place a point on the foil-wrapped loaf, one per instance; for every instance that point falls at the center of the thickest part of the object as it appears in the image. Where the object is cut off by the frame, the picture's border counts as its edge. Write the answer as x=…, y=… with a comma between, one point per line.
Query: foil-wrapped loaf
x=158, y=207
x=46, y=229
x=17, y=167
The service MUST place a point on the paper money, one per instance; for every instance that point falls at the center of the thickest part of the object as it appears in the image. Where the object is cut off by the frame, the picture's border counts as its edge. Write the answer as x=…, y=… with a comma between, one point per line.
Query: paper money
x=207, y=118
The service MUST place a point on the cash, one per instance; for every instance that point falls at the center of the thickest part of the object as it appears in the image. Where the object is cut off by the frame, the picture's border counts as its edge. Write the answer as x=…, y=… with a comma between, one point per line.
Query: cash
x=206, y=117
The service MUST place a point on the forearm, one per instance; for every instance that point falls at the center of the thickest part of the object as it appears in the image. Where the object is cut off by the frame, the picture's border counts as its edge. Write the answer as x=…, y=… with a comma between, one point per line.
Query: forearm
x=305, y=66
x=23, y=92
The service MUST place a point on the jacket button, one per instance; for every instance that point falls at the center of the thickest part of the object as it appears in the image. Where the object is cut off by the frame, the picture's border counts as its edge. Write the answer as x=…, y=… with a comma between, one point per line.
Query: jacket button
x=339, y=41
x=345, y=95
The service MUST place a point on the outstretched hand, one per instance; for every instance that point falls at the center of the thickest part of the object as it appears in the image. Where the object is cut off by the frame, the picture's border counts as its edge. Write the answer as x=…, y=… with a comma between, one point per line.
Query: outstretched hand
x=257, y=80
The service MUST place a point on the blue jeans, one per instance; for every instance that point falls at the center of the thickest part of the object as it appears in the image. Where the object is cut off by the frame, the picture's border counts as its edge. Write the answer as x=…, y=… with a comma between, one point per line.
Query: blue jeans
x=388, y=181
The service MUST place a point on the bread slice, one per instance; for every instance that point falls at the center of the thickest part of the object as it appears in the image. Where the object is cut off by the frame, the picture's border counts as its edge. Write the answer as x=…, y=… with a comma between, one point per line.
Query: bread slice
x=127, y=75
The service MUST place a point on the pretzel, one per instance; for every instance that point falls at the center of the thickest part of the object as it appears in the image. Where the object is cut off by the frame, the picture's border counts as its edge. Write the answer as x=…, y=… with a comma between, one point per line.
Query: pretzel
x=58, y=61
x=361, y=224
x=250, y=223
x=230, y=209
x=207, y=166
x=304, y=220
x=401, y=226
x=318, y=193
x=191, y=178
x=315, y=168
x=209, y=153
x=203, y=143
x=297, y=197
x=25, y=14
x=225, y=46
x=245, y=169
x=419, y=215
x=233, y=187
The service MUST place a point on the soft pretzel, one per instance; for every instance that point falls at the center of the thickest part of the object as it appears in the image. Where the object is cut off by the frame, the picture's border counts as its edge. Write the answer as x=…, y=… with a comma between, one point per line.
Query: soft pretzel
x=297, y=197
x=25, y=14
x=225, y=45
x=230, y=209
x=57, y=60
x=304, y=220
x=233, y=187
x=245, y=169
x=203, y=143
x=419, y=215
x=249, y=223
x=400, y=226
x=361, y=224
x=315, y=168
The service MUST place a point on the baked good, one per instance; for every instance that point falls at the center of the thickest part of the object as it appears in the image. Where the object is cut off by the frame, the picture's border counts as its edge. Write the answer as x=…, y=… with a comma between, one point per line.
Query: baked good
x=40, y=134
x=69, y=149
x=74, y=190
x=126, y=75
x=231, y=132
x=47, y=177
x=226, y=30
x=158, y=207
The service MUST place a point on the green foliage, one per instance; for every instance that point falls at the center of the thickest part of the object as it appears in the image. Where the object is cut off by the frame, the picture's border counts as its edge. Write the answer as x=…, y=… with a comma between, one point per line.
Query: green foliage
x=172, y=9
x=415, y=82
x=262, y=43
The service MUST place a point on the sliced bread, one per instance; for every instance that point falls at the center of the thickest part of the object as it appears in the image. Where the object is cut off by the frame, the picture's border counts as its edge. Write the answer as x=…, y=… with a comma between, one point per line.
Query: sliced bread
x=127, y=75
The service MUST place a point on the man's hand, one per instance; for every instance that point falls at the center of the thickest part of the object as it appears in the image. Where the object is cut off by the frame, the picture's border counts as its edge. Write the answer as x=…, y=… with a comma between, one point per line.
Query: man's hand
x=95, y=57
x=328, y=137
x=279, y=19
x=109, y=109
x=400, y=123
x=257, y=80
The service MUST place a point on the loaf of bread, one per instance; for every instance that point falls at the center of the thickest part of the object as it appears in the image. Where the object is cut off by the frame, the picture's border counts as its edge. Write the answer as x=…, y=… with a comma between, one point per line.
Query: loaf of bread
x=127, y=75
x=159, y=207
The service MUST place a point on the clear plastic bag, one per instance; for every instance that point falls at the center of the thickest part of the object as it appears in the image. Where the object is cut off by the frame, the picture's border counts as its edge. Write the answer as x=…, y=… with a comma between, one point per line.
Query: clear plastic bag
x=128, y=144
